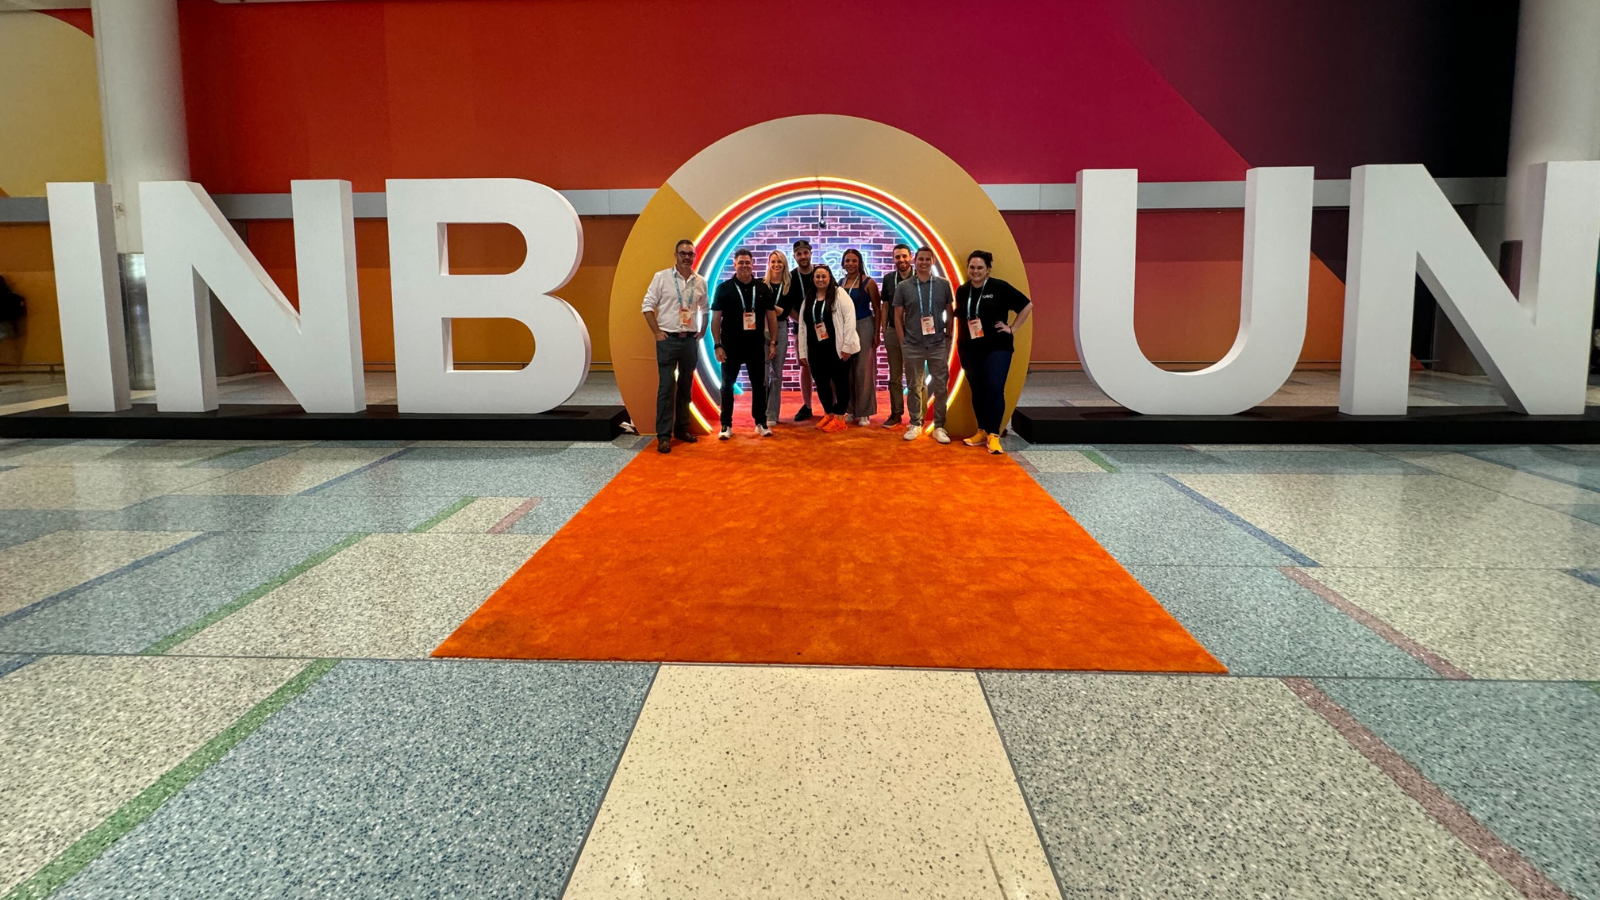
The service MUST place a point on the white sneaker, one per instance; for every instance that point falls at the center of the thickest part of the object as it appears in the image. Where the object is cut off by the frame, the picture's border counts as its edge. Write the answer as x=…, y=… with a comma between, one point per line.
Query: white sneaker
x=912, y=433
x=864, y=421
x=764, y=431
x=725, y=434
x=849, y=419
x=940, y=435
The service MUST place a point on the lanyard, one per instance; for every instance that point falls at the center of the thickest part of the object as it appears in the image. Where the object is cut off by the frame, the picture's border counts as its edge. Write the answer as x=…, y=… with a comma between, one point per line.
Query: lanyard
x=816, y=309
x=974, y=295
x=925, y=304
x=741, y=295
x=675, y=279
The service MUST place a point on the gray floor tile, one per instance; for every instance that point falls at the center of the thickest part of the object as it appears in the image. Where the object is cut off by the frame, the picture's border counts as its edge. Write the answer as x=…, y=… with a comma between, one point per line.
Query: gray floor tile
x=10, y=662
x=1179, y=787
x=549, y=516
x=1140, y=519
x=436, y=779
x=1520, y=756
x=1175, y=460
x=18, y=526
x=238, y=512
x=1258, y=622
x=129, y=613
x=485, y=473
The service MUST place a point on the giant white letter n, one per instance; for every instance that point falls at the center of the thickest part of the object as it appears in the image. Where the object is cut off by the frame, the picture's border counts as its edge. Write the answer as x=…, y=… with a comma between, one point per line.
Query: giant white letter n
x=190, y=246
x=1535, y=349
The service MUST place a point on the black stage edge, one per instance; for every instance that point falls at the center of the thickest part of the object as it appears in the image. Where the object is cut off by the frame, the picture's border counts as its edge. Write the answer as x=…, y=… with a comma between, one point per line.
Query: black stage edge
x=262, y=422
x=1304, y=425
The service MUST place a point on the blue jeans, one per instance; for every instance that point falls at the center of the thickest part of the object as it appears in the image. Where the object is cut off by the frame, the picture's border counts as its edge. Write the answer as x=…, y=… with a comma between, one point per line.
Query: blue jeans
x=986, y=373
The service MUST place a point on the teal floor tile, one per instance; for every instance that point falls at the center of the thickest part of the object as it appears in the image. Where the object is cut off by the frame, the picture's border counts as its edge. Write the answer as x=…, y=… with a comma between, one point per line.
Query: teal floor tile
x=386, y=779
x=1520, y=756
x=1258, y=622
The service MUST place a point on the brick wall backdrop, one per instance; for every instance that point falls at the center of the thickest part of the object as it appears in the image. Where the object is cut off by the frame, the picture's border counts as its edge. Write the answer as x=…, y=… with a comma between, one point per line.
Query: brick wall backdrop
x=842, y=229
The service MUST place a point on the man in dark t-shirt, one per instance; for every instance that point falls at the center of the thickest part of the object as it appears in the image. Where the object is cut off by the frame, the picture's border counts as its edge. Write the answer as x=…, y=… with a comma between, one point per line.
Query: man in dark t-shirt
x=743, y=322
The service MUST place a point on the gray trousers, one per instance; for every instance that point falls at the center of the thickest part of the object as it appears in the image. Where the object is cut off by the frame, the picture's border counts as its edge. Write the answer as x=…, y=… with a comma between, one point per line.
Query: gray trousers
x=775, y=372
x=864, y=372
x=936, y=360
x=675, y=361
x=897, y=381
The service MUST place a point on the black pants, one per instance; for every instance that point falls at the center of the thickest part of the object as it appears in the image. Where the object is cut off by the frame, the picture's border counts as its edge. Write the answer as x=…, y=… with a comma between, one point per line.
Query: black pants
x=754, y=359
x=831, y=375
x=986, y=373
x=675, y=361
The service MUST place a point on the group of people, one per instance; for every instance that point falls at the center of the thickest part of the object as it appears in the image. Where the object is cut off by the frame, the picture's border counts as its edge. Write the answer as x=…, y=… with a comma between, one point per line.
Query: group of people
x=838, y=324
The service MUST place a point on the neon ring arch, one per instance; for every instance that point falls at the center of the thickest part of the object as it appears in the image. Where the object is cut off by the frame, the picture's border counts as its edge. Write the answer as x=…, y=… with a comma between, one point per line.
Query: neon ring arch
x=731, y=230
x=901, y=183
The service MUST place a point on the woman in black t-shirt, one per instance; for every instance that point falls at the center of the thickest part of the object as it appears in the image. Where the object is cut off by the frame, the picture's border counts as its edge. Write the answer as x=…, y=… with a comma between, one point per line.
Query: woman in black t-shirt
x=984, y=343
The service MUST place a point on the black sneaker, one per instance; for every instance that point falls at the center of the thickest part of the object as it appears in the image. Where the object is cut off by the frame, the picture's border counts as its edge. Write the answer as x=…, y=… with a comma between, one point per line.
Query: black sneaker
x=687, y=438
x=802, y=414
x=663, y=446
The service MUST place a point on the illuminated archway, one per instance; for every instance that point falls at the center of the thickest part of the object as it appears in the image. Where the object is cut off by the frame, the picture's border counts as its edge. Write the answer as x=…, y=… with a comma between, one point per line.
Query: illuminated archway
x=741, y=179
x=734, y=227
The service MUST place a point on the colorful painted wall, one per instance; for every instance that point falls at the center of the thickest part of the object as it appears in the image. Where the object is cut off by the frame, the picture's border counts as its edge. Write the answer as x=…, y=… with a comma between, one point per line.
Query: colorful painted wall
x=618, y=93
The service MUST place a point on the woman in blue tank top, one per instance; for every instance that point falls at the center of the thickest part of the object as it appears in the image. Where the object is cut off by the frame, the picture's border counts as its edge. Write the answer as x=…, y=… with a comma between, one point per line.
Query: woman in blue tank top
x=863, y=291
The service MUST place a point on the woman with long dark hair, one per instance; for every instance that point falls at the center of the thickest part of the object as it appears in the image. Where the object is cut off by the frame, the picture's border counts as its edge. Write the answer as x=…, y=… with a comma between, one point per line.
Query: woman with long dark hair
x=868, y=306
x=828, y=339
x=984, y=306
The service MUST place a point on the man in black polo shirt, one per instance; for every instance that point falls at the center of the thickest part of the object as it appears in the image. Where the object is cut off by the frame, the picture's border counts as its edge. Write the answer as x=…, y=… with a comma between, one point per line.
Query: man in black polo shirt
x=741, y=306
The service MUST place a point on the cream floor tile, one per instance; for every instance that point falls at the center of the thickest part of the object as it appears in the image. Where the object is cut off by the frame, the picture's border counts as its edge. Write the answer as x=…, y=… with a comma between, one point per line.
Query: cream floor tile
x=1521, y=485
x=1403, y=520
x=92, y=487
x=50, y=564
x=800, y=783
x=387, y=596
x=293, y=472
x=26, y=405
x=1494, y=623
x=80, y=736
x=480, y=515
x=1060, y=461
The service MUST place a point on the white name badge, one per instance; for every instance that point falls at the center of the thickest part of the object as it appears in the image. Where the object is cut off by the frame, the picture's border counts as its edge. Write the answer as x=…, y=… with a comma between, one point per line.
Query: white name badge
x=749, y=321
x=685, y=318
x=927, y=324
x=975, y=328
x=822, y=331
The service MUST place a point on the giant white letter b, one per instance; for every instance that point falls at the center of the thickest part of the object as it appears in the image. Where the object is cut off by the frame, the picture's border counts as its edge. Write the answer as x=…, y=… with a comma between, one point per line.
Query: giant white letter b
x=1536, y=349
x=427, y=296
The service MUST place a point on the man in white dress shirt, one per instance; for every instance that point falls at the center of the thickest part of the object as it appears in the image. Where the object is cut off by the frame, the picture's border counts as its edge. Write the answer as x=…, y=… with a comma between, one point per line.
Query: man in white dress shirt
x=675, y=307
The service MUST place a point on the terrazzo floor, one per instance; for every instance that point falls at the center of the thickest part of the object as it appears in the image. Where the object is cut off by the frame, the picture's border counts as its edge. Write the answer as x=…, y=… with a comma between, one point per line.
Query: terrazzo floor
x=215, y=682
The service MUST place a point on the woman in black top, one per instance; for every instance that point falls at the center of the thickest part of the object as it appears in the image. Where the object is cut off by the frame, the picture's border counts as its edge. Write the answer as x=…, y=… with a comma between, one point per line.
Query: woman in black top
x=828, y=339
x=984, y=343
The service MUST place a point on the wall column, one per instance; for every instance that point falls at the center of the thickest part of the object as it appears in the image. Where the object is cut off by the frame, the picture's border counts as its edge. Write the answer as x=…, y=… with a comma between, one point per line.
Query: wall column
x=145, y=137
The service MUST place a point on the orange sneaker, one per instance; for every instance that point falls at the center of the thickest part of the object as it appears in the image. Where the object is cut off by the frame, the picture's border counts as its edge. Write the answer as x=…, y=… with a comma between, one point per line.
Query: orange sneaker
x=824, y=422
x=994, y=444
x=837, y=425
x=978, y=439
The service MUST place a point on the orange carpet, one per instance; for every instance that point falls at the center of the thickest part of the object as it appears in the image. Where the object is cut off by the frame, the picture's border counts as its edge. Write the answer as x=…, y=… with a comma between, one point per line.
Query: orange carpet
x=850, y=549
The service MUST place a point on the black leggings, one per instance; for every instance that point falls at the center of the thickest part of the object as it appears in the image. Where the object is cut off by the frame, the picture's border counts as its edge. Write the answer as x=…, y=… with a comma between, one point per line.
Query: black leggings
x=986, y=376
x=831, y=375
